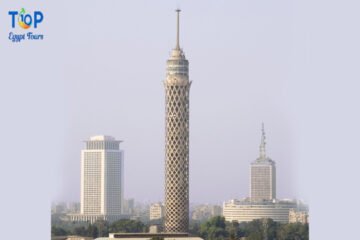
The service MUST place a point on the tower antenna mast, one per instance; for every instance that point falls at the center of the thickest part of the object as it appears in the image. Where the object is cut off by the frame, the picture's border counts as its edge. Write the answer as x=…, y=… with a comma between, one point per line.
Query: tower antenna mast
x=178, y=29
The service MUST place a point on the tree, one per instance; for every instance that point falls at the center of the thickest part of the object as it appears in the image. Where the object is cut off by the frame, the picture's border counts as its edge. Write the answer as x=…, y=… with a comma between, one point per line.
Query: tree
x=194, y=227
x=80, y=231
x=103, y=228
x=293, y=231
x=254, y=230
x=58, y=231
x=260, y=229
x=214, y=229
x=92, y=231
x=127, y=225
x=235, y=230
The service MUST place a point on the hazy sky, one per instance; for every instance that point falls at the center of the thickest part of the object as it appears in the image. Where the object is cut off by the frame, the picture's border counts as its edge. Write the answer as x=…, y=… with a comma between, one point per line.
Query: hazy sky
x=241, y=59
x=291, y=64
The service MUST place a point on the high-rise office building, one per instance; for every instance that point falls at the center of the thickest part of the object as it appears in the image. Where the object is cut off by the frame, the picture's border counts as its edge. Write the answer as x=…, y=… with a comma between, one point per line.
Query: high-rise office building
x=177, y=87
x=262, y=202
x=101, y=180
x=262, y=175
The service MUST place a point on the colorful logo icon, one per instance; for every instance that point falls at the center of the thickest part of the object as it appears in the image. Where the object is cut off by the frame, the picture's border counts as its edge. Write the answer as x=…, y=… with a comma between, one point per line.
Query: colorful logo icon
x=22, y=18
x=25, y=20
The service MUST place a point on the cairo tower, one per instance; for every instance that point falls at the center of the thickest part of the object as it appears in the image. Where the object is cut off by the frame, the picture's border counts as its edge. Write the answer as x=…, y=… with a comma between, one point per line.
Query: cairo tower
x=177, y=86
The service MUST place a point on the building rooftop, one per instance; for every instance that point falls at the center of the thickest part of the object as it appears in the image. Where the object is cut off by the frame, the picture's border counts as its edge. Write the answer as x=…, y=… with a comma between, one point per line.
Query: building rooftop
x=248, y=201
x=149, y=235
x=102, y=138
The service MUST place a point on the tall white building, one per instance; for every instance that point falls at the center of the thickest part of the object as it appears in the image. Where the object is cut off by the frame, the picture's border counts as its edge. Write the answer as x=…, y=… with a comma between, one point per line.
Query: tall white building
x=102, y=166
x=263, y=176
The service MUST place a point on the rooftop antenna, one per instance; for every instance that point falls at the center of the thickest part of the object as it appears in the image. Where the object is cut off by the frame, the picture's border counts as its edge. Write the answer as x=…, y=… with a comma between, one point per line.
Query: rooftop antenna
x=177, y=29
x=263, y=143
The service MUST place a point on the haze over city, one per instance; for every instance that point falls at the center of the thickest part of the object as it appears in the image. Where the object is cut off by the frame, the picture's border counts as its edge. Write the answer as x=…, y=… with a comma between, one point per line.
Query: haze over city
x=241, y=77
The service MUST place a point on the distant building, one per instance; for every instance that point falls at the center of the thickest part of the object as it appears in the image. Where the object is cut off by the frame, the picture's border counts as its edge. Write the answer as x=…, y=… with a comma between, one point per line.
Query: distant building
x=58, y=208
x=157, y=211
x=263, y=175
x=73, y=207
x=301, y=216
x=247, y=211
x=101, y=180
x=129, y=207
x=141, y=212
x=154, y=229
x=262, y=202
x=205, y=212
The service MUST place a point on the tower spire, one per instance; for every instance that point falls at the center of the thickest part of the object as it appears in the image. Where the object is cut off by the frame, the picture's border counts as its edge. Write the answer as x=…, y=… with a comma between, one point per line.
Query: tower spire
x=263, y=143
x=178, y=29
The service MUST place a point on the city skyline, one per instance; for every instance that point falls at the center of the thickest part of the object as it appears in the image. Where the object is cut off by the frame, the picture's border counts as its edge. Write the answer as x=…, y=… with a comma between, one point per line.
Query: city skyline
x=240, y=112
x=157, y=199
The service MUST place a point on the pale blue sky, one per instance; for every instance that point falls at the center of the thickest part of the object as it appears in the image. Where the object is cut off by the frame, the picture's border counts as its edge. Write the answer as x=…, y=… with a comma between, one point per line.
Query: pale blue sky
x=292, y=64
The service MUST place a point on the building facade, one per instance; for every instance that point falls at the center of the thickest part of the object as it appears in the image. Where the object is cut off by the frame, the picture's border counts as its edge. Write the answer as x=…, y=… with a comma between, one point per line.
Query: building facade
x=102, y=167
x=157, y=211
x=263, y=175
x=298, y=216
x=247, y=211
x=177, y=87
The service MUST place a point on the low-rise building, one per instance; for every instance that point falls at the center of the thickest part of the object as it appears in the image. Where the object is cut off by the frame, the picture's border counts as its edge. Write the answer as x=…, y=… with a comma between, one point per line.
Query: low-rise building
x=157, y=211
x=246, y=210
x=298, y=216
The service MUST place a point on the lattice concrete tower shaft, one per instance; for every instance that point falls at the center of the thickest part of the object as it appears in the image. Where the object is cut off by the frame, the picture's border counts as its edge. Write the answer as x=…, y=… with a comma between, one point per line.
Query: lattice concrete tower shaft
x=177, y=86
